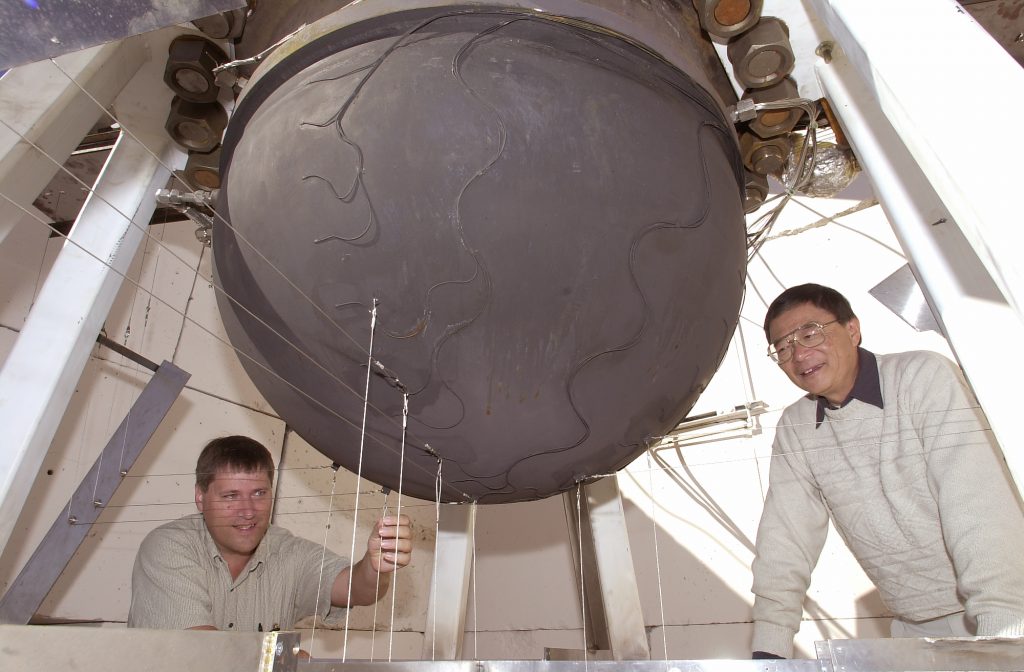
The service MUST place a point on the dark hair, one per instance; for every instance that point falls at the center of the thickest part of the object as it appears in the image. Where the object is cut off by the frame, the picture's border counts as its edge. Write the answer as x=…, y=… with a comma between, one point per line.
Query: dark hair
x=823, y=297
x=232, y=453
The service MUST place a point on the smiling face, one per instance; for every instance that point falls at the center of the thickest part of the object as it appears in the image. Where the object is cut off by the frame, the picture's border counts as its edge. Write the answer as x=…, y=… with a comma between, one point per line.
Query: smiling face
x=829, y=369
x=236, y=507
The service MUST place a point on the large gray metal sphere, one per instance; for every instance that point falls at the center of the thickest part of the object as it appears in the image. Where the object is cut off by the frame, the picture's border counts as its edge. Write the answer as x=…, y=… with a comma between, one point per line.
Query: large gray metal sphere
x=548, y=216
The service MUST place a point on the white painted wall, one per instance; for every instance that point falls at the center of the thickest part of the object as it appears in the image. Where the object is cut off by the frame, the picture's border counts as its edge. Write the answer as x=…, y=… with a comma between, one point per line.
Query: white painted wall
x=693, y=572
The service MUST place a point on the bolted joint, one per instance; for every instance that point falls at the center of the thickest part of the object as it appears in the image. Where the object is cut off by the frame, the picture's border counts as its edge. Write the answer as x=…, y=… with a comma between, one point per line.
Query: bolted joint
x=202, y=171
x=191, y=60
x=776, y=119
x=763, y=156
x=728, y=18
x=762, y=56
x=196, y=126
x=755, y=191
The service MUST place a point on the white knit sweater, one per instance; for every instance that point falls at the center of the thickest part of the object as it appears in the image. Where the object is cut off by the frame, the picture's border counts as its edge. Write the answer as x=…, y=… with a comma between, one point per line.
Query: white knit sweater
x=919, y=493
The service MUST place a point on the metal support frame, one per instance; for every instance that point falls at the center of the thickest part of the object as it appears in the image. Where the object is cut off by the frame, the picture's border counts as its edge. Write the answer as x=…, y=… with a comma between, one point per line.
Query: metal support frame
x=35, y=648
x=924, y=654
x=962, y=286
x=927, y=82
x=46, y=648
x=41, y=104
x=51, y=556
x=449, y=591
x=40, y=374
x=612, y=599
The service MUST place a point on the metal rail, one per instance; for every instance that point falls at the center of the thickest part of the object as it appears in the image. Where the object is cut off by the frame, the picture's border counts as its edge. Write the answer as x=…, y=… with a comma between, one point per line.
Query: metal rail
x=34, y=648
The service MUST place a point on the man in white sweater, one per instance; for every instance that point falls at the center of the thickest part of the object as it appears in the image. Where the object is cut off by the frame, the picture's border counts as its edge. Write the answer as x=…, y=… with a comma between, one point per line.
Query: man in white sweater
x=896, y=451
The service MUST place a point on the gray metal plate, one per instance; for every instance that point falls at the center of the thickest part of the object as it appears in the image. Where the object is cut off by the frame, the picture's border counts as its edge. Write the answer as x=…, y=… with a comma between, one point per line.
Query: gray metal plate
x=31, y=30
x=920, y=654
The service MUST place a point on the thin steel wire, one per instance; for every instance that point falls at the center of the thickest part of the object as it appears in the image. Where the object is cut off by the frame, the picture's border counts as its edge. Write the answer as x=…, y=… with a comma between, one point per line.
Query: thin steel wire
x=71, y=518
x=359, y=477
x=323, y=562
x=583, y=592
x=657, y=557
x=373, y=623
x=241, y=236
x=433, y=579
x=136, y=368
x=209, y=279
x=398, y=515
x=206, y=330
x=476, y=610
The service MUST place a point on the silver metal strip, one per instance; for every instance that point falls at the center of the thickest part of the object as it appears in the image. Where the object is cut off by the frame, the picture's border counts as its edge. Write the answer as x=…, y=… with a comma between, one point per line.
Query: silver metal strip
x=28, y=590
x=47, y=648
x=923, y=655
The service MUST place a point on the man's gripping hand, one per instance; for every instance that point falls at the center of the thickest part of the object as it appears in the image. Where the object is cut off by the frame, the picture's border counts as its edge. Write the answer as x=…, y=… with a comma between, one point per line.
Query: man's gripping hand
x=390, y=544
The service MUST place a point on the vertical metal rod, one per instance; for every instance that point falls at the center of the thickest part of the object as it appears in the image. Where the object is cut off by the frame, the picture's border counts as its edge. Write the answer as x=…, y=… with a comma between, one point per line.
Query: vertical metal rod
x=398, y=514
x=359, y=474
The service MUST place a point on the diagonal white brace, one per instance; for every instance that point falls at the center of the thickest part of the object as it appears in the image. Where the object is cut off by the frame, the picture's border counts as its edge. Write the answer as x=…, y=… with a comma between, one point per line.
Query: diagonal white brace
x=40, y=374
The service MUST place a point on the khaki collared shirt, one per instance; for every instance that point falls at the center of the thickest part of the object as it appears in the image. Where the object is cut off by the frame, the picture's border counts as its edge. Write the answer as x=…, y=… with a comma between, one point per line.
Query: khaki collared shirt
x=181, y=581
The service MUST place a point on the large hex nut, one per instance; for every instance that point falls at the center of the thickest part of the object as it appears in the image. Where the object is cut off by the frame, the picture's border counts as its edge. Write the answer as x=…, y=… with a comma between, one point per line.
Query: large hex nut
x=196, y=126
x=772, y=122
x=728, y=18
x=764, y=156
x=189, y=70
x=755, y=191
x=202, y=170
x=762, y=56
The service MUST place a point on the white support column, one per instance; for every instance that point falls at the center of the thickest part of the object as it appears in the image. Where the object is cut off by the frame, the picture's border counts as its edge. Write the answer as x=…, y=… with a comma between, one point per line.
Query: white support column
x=975, y=316
x=40, y=374
x=51, y=111
x=449, y=589
x=945, y=86
x=599, y=540
x=612, y=561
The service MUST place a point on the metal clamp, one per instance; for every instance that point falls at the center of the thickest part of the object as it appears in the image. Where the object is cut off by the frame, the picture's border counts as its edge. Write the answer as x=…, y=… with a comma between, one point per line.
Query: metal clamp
x=188, y=204
x=744, y=110
x=280, y=652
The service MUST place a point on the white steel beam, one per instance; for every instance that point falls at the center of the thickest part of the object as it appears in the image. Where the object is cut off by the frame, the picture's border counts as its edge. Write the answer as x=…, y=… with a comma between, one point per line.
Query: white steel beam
x=620, y=596
x=43, y=648
x=976, y=318
x=40, y=374
x=605, y=566
x=449, y=587
x=41, y=104
x=953, y=95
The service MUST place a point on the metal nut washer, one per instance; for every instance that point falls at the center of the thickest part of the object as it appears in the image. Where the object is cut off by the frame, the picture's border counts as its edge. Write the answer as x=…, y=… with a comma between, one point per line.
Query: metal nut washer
x=196, y=126
x=755, y=191
x=728, y=18
x=202, y=171
x=189, y=70
x=762, y=56
x=764, y=156
x=769, y=123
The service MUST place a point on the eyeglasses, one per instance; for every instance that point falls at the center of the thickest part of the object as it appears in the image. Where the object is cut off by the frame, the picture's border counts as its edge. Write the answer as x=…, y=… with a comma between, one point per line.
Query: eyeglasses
x=808, y=336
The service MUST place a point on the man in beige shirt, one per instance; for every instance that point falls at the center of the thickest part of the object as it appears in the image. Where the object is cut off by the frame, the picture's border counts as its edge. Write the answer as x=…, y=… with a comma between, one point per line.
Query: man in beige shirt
x=228, y=568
